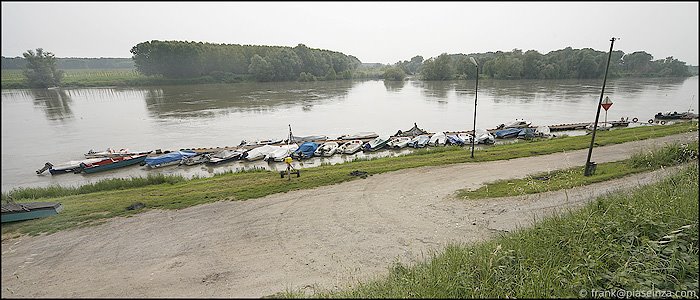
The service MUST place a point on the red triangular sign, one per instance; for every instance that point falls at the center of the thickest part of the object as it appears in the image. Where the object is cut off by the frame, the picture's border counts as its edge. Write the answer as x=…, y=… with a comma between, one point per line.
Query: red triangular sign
x=606, y=103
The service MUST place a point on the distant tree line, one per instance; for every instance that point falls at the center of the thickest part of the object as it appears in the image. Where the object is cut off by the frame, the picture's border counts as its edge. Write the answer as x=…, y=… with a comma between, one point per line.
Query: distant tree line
x=16, y=63
x=180, y=59
x=566, y=63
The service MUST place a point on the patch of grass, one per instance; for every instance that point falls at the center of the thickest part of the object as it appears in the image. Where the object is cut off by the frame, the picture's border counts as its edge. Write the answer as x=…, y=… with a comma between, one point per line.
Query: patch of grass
x=247, y=185
x=668, y=155
x=642, y=240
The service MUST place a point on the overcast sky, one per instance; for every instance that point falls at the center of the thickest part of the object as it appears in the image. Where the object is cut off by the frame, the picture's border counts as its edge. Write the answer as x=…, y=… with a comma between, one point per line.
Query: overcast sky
x=384, y=32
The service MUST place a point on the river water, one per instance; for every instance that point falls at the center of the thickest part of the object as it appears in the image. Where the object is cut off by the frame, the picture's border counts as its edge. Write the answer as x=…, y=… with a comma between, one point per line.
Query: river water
x=60, y=125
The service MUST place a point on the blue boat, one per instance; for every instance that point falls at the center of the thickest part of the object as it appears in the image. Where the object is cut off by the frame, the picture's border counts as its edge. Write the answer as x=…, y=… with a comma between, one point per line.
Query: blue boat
x=167, y=159
x=507, y=133
x=306, y=150
x=12, y=212
x=111, y=163
x=526, y=133
x=453, y=139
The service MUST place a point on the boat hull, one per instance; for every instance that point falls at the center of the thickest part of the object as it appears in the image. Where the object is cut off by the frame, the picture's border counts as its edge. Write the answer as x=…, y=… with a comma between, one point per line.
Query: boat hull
x=115, y=165
x=34, y=213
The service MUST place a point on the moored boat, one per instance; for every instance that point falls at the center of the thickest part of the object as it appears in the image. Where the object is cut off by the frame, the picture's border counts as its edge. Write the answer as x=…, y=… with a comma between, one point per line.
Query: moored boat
x=453, y=139
x=308, y=138
x=518, y=123
x=398, y=142
x=67, y=167
x=306, y=150
x=482, y=136
x=168, y=159
x=375, y=144
x=601, y=126
x=223, y=156
x=438, y=139
x=413, y=132
x=543, y=131
x=260, y=152
x=12, y=212
x=526, y=133
x=195, y=160
x=507, y=133
x=114, y=153
x=350, y=147
x=326, y=149
x=111, y=163
x=282, y=152
x=467, y=138
x=359, y=135
x=419, y=141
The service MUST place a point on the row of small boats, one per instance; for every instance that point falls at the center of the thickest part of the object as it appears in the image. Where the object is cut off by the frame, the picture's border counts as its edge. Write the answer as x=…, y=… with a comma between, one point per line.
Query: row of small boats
x=299, y=147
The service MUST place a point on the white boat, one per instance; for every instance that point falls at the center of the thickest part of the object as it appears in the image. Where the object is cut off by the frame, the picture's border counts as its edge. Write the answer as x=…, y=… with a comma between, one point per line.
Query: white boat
x=438, y=139
x=350, y=147
x=260, y=152
x=543, y=131
x=398, y=142
x=601, y=126
x=281, y=153
x=359, y=135
x=518, y=123
x=223, y=156
x=419, y=141
x=375, y=144
x=467, y=138
x=484, y=137
x=327, y=149
x=114, y=153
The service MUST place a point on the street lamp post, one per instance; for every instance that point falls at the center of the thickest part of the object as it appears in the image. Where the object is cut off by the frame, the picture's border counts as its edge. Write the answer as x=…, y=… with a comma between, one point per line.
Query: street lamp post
x=590, y=166
x=476, y=94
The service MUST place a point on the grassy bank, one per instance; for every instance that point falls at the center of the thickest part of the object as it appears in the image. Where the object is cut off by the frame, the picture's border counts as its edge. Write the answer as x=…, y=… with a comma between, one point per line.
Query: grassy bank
x=98, y=206
x=642, y=240
x=668, y=155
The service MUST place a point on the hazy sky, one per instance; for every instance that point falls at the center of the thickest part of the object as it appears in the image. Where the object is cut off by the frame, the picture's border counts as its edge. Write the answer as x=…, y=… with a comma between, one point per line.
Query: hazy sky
x=384, y=32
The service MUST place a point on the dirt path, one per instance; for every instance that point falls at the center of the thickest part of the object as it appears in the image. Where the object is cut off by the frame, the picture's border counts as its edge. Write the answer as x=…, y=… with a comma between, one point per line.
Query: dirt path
x=327, y=237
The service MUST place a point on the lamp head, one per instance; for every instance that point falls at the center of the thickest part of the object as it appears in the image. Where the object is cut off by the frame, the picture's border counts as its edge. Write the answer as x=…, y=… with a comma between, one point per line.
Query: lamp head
x=473, y=61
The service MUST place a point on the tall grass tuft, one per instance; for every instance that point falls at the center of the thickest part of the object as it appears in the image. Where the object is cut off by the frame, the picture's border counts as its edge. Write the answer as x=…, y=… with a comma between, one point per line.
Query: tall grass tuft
x=103, y=185
x=668, y=155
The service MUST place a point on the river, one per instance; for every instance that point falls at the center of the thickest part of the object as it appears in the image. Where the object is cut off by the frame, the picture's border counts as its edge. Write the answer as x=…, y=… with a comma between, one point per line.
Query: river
x=60, y=125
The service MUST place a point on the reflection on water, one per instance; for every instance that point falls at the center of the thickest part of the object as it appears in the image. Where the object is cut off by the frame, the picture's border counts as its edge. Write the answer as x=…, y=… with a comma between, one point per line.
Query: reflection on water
x=394, y=85
x=209, y=100
x=54, y=102
x=60, y=125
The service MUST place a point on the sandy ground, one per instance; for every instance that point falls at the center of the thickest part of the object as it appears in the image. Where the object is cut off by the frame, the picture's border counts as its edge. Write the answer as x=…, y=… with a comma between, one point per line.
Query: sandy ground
x=327, y=238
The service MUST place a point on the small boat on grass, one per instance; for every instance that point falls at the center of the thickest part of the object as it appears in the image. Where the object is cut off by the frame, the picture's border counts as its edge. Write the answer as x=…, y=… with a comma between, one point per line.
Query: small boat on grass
x=438, y=139
x=111, y=163
x=195, y=160
x=507, y=133
x=260, y=152
x=168, y=159
x=543, y=131
x=114, y=153
x=12, y=212
x=223, y=157
x=482, y=136
x=375, y=144
x=453, y=139
x=350, y=147
x=327, y=149
x=306, y=150
x=467, y=138
x=67, y=167
x=419, y=142
x=359, y=135
x=398, y=142
x=282, y=152
x=526, y=133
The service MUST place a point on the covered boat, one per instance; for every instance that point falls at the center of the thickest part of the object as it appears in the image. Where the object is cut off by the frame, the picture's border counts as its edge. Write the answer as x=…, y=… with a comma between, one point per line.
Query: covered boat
x=415, y=131
x=306, y=150
x=518, y=123
x=195, y=160
x=398, y=142
x=12, y=212
x=543, y=131
x=167, y=159
x=260, y=152
x=327, y=149
x=281, y=153
x=453, y=139
x=467, y=138
x=308, y=138
x=375, y=144
x=482, y=136
x=419, y=141
x=359, y=135
x=223, y=157
x=111, y=163
x=438, y=139
x=350, y=147
x=507, y=133
x=526, y=133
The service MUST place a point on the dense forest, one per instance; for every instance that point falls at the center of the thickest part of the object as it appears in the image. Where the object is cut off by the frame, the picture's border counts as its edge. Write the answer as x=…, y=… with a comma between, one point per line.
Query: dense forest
x=177, y=59
x=233, y=62
x=566, y=63
x=10, y=63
